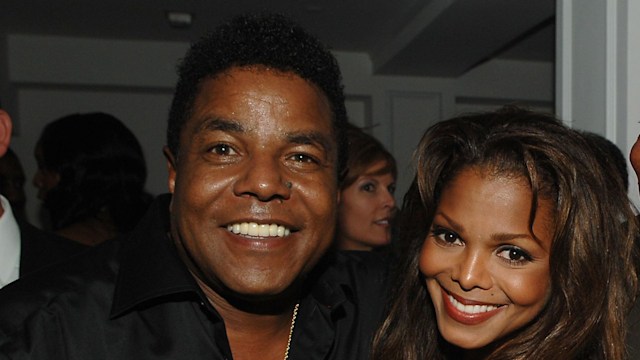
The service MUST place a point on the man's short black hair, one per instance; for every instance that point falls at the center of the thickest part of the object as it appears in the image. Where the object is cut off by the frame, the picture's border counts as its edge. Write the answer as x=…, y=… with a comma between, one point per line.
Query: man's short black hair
x=270, y=40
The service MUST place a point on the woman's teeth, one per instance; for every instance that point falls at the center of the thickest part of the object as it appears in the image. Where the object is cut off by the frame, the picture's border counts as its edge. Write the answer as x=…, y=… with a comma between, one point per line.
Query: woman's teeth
x=471, y=309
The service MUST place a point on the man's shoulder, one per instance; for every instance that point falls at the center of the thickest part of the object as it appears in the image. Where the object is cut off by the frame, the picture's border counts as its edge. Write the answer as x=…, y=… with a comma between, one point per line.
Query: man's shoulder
x=364, y=272
x=369, y=262
x=63, y=287
x=40, y=249
x=345, y=305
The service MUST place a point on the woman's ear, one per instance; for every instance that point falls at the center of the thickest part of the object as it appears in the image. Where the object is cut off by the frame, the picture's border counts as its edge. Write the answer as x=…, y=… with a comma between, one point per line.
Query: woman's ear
x=5, y=132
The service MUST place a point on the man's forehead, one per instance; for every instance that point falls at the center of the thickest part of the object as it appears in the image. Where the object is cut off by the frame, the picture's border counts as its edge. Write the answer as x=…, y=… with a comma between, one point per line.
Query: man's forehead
x=260, y=70
x=226, y=94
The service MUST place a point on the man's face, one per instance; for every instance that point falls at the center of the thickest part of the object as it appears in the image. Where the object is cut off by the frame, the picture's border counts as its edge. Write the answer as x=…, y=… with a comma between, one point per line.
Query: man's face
x=5, y=131
x=634, y=157
x=5, y=137
x=12, y=180
x=254, y=185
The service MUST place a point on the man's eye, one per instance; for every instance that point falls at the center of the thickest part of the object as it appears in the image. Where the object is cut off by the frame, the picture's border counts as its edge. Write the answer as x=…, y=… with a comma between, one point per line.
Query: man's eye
x=221, y=149
x=303, y=158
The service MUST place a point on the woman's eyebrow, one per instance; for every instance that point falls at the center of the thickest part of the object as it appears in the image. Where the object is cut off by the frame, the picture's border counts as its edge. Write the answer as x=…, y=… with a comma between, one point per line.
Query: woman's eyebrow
x=450, y=222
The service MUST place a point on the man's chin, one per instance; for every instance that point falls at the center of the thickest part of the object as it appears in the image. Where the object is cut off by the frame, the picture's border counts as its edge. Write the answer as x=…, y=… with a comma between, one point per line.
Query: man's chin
x=271, y=301
x=262, y=300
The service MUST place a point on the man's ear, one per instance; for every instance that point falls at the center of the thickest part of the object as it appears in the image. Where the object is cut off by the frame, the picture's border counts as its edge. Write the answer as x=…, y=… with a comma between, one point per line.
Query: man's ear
x=171, y=167
x=5, y=131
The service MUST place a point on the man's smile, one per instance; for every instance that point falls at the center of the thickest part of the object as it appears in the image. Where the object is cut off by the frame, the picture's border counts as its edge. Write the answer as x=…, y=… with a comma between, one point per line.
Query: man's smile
x=255, y=229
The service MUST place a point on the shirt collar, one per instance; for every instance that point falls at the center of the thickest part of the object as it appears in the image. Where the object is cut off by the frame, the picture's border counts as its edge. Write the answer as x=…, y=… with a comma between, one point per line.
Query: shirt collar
x=327, y=286
x=9, y=245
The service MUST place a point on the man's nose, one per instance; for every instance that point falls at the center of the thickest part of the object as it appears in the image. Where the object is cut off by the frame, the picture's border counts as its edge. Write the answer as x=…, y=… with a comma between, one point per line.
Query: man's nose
x=263, y=177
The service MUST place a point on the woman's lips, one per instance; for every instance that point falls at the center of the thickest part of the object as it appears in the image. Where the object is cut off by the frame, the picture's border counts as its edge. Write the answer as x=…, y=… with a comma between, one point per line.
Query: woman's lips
x=468, y=314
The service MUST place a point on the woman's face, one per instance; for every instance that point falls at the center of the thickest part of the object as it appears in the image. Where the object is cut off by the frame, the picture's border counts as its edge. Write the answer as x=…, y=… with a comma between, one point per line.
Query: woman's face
x=486, y=272
x=365, y=210
x=44, y=180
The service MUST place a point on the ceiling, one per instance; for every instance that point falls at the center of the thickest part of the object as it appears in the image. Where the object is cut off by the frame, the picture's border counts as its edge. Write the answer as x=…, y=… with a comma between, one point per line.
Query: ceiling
x=441, y=38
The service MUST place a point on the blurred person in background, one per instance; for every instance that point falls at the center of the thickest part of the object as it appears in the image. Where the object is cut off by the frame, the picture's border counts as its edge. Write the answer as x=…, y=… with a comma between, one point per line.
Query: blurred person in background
x=24, y=248
x=91, y=176
x=367, y=205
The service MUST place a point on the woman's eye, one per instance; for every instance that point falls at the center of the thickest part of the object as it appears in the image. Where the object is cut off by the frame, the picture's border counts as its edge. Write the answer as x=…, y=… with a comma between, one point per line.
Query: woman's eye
x=368, y=187
x=447, y=237
x=514, y=255
x=391, y=189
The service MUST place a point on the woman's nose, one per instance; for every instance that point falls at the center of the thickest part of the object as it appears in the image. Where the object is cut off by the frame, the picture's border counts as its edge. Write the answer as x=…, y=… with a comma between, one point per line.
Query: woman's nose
x=472, y=271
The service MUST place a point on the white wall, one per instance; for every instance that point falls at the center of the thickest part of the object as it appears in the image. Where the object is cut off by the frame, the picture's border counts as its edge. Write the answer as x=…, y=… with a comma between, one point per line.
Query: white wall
x=49, y=77
x=403, y=107
x=598, y=68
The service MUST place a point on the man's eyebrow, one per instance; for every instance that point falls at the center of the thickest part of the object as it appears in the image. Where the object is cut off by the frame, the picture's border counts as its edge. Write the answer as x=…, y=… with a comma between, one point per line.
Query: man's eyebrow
x=308, y=138
x=220, y=124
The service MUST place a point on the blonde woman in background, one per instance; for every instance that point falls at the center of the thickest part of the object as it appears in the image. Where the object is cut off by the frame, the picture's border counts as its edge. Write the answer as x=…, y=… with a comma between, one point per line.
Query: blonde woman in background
x=367, y=186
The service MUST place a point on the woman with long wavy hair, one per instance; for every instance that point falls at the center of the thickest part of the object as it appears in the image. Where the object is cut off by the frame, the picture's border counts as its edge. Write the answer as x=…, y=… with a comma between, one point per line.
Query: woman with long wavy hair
x=516, y=246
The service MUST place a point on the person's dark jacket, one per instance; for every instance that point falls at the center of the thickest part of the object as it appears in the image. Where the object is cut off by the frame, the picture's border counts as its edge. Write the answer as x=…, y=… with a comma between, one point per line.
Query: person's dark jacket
x=133, y=298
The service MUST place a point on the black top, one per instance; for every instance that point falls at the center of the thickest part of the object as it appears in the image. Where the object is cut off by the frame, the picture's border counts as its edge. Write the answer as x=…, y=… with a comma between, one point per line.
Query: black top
x=39, y=249
x=133, y=298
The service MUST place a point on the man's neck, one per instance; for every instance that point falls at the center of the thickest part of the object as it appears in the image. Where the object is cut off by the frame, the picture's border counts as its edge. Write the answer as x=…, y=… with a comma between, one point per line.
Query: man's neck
x=258, y=336
x=254, y=335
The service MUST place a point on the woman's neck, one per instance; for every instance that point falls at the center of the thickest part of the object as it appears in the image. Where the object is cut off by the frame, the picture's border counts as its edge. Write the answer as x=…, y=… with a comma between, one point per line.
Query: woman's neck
x=91, y=231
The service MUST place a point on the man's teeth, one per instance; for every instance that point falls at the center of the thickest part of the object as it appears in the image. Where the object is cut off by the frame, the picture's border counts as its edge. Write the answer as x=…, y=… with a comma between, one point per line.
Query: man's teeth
x=471, y=309
x=255, y=229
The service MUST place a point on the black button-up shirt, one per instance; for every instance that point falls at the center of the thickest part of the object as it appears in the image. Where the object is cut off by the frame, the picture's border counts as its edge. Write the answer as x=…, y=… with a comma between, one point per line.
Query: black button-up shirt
x=133, y=298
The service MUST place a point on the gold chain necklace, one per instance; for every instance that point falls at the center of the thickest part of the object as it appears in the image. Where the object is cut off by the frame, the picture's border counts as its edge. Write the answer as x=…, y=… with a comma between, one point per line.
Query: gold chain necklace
x=293, y=324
